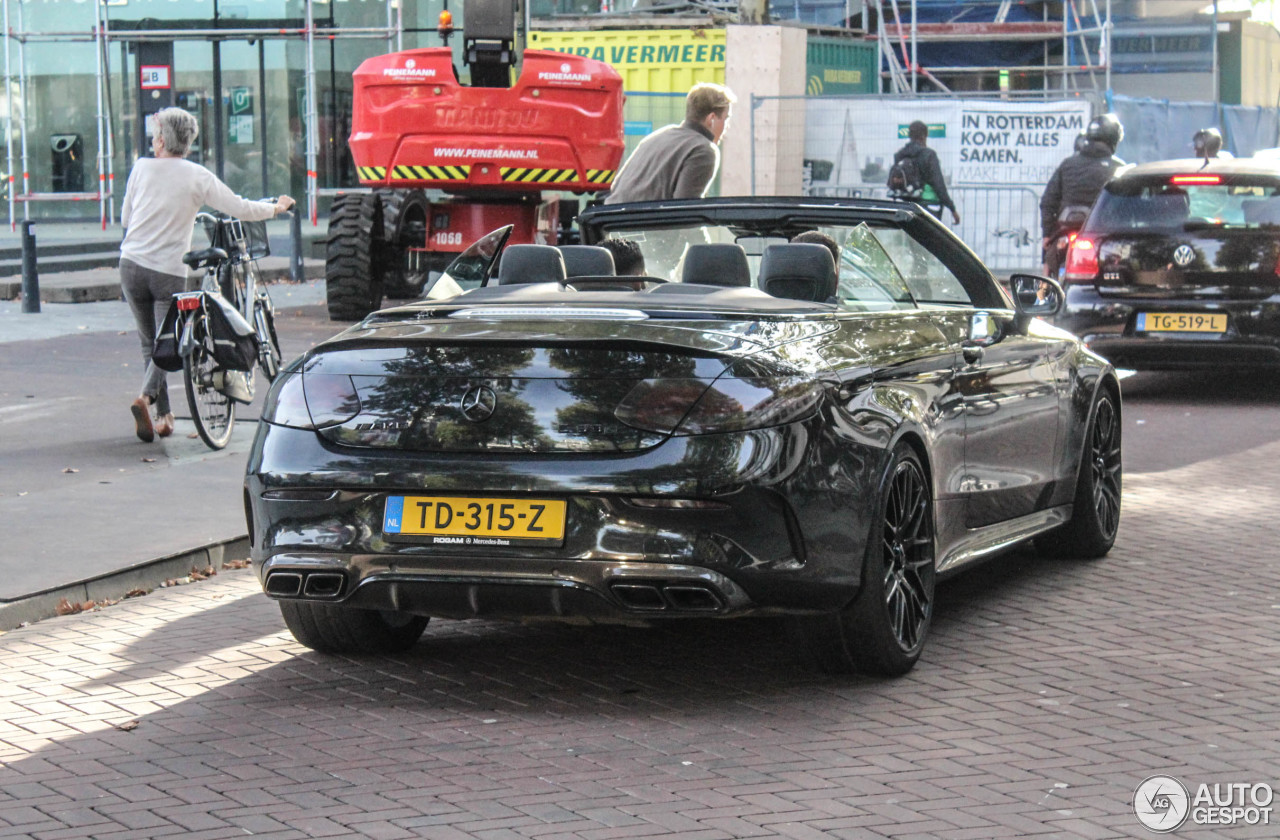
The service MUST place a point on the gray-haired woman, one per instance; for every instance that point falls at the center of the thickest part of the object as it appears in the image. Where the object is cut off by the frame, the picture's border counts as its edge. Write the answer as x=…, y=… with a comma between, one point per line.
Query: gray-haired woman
x=161, y=200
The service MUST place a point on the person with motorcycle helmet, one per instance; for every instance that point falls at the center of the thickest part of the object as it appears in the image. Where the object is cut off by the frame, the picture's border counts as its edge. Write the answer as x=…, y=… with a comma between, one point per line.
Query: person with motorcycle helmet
x=1208, y=144
x=1077, y=181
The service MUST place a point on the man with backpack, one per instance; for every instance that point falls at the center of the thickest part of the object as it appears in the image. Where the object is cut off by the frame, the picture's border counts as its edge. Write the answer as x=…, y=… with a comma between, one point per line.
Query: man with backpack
x=916, y=174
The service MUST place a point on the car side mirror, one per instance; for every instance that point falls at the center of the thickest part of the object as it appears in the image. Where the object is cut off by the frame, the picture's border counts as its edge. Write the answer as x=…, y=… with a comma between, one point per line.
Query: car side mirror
x=1035, y=296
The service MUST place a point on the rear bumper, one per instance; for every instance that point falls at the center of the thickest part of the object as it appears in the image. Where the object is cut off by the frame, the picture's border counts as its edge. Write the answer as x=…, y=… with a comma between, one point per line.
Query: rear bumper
x=491, y=587
x=767, y=540
x=1108, y=326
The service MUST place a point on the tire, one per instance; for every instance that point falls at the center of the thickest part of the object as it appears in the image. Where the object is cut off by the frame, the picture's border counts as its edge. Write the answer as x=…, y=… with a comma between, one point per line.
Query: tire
x=329, y=628
x=213, y=412
x=404, y=219
x=269, y=355
x=353, y=288
x=884, y=629
x=1095, y=516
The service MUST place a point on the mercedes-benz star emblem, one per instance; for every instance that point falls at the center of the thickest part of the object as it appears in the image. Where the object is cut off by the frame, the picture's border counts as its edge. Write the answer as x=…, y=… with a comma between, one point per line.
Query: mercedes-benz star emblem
x=1183, y=255
x=478, y=403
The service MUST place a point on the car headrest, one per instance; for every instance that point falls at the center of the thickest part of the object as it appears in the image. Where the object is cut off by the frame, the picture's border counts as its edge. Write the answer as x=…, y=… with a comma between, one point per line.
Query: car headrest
x=1169, y=209
x=799, y=271
x=1261, y=211
x=587, y=260
x=531, y=264
x=716, y=265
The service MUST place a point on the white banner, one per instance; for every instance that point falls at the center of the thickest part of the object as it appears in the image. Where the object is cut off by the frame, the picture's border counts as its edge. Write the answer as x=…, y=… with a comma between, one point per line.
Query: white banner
x=996, y=159
x=850, y=143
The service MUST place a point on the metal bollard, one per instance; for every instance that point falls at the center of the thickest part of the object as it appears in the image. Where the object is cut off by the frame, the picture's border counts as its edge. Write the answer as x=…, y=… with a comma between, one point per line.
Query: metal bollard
x=296, y=273
x=30, y=280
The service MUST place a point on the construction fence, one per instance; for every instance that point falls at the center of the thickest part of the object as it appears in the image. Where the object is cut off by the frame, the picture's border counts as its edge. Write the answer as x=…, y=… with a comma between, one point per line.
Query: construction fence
x=996, y=156
x=997, y=153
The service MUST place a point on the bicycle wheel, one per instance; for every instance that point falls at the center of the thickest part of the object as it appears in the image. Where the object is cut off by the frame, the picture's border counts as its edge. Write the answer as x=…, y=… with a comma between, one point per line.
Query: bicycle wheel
x=264, y=322
x=213, y=412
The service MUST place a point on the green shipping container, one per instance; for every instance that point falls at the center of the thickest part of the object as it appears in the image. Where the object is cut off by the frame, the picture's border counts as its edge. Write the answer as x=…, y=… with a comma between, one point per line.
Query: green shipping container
x=840, y=66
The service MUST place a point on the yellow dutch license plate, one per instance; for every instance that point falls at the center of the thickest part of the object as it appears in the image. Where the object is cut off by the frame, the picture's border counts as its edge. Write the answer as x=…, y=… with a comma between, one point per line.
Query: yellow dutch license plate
x=453, y=520
x=1204, y=322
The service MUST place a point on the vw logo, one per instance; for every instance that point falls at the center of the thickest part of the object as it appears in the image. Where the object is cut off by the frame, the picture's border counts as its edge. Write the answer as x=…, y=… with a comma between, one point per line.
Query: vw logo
x=1183, y=255
x=411, y=64
x=478, y=403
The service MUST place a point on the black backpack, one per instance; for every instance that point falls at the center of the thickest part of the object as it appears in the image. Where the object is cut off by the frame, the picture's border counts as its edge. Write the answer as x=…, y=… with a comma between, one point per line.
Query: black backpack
x=905, y=180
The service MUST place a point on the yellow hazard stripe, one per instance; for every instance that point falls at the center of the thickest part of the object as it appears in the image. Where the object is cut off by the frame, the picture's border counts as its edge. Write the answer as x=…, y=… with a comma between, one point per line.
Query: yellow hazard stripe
x=538, y=176
x=371, y=173
x=414, y=172
x=600, y=176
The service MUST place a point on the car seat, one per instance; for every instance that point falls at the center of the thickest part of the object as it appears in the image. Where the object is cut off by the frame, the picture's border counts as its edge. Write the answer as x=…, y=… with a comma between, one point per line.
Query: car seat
x=1168, y=209
x=531, y=264
x=722, y=264
x=587, y=261
x=1261, y=211
x=799, y=271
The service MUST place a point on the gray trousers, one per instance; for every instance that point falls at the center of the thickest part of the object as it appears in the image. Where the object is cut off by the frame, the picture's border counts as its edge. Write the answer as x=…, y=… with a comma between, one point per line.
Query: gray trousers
x=149, y=294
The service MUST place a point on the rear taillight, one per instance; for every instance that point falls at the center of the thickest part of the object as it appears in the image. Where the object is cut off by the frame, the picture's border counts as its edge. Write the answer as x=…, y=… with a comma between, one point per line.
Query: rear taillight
x=311, y=402
x=738, y=400
x=1082, y=260
x=188, y=304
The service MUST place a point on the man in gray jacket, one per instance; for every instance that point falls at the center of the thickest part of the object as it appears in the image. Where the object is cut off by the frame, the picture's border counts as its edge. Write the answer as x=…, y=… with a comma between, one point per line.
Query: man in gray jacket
x=678, y=161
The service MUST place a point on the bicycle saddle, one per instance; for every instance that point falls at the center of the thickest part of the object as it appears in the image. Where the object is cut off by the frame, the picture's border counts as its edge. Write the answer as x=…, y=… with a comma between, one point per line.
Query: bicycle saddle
x=204, y=258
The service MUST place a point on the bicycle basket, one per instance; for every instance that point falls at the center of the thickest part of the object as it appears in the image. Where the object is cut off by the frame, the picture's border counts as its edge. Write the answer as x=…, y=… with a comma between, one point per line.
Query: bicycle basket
x=255, y=239
x=226, y=233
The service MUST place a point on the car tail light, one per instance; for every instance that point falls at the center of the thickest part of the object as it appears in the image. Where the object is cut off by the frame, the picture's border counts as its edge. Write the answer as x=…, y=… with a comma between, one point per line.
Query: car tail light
x=737, y=400
x=1195, y=179
x=311, y=401
x=1082, y=260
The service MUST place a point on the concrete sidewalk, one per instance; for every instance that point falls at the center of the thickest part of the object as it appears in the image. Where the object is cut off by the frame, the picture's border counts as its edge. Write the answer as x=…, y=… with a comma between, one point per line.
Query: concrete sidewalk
x=91, y=511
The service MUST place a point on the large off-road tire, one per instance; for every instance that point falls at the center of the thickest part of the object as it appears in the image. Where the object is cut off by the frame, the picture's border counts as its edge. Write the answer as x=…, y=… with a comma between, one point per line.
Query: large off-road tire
x=1095, y=517
x=330, y=628
x=404, y=219
x=884, y=629
x=353, y=288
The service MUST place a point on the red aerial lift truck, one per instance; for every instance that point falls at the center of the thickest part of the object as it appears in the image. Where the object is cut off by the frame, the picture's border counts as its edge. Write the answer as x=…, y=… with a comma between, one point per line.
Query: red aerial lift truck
x=450, y=162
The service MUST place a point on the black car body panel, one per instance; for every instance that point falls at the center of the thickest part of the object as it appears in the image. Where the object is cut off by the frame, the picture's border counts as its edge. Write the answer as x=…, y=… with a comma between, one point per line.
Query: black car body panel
x=1186, y=274
x=715, y=451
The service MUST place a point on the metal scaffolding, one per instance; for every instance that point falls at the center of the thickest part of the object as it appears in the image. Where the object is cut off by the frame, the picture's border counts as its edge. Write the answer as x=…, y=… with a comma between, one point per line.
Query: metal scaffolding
x=101, y=36
x=900, y=32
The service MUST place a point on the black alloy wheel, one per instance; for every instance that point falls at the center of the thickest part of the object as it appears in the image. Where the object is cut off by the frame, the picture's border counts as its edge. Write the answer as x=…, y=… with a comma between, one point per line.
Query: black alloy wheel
x=908, y=556
x=1095, y=517
x=884, y=630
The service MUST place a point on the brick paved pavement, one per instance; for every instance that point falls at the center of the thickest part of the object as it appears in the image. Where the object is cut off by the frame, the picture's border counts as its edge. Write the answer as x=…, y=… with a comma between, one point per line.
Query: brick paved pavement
x=1048, y=692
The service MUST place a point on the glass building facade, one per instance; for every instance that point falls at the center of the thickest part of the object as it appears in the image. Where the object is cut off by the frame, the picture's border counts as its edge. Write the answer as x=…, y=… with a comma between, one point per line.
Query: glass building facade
x=239, y=65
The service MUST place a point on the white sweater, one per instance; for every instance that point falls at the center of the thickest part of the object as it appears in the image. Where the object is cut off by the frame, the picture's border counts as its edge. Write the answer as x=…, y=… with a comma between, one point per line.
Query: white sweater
x=160, y=205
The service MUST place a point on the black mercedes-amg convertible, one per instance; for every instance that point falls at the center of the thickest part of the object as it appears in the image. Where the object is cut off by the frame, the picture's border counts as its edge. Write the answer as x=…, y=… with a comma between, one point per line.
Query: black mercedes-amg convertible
x=802, y=407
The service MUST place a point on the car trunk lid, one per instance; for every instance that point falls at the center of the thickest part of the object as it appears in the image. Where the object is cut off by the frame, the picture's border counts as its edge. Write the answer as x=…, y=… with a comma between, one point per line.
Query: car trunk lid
x=1222, y=263
x=470, y=386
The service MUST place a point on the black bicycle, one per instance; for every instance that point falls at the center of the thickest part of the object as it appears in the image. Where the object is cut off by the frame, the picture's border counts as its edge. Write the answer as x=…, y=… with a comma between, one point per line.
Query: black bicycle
x=227, y=327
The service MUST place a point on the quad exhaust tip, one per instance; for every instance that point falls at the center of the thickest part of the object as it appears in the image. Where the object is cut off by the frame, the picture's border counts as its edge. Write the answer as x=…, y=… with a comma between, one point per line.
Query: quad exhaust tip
x=323, y=585
x=682, y=597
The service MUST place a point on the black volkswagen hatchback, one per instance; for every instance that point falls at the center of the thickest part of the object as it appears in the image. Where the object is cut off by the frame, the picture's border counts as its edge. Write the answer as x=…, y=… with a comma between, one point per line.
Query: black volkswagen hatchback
x=1178, y=267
